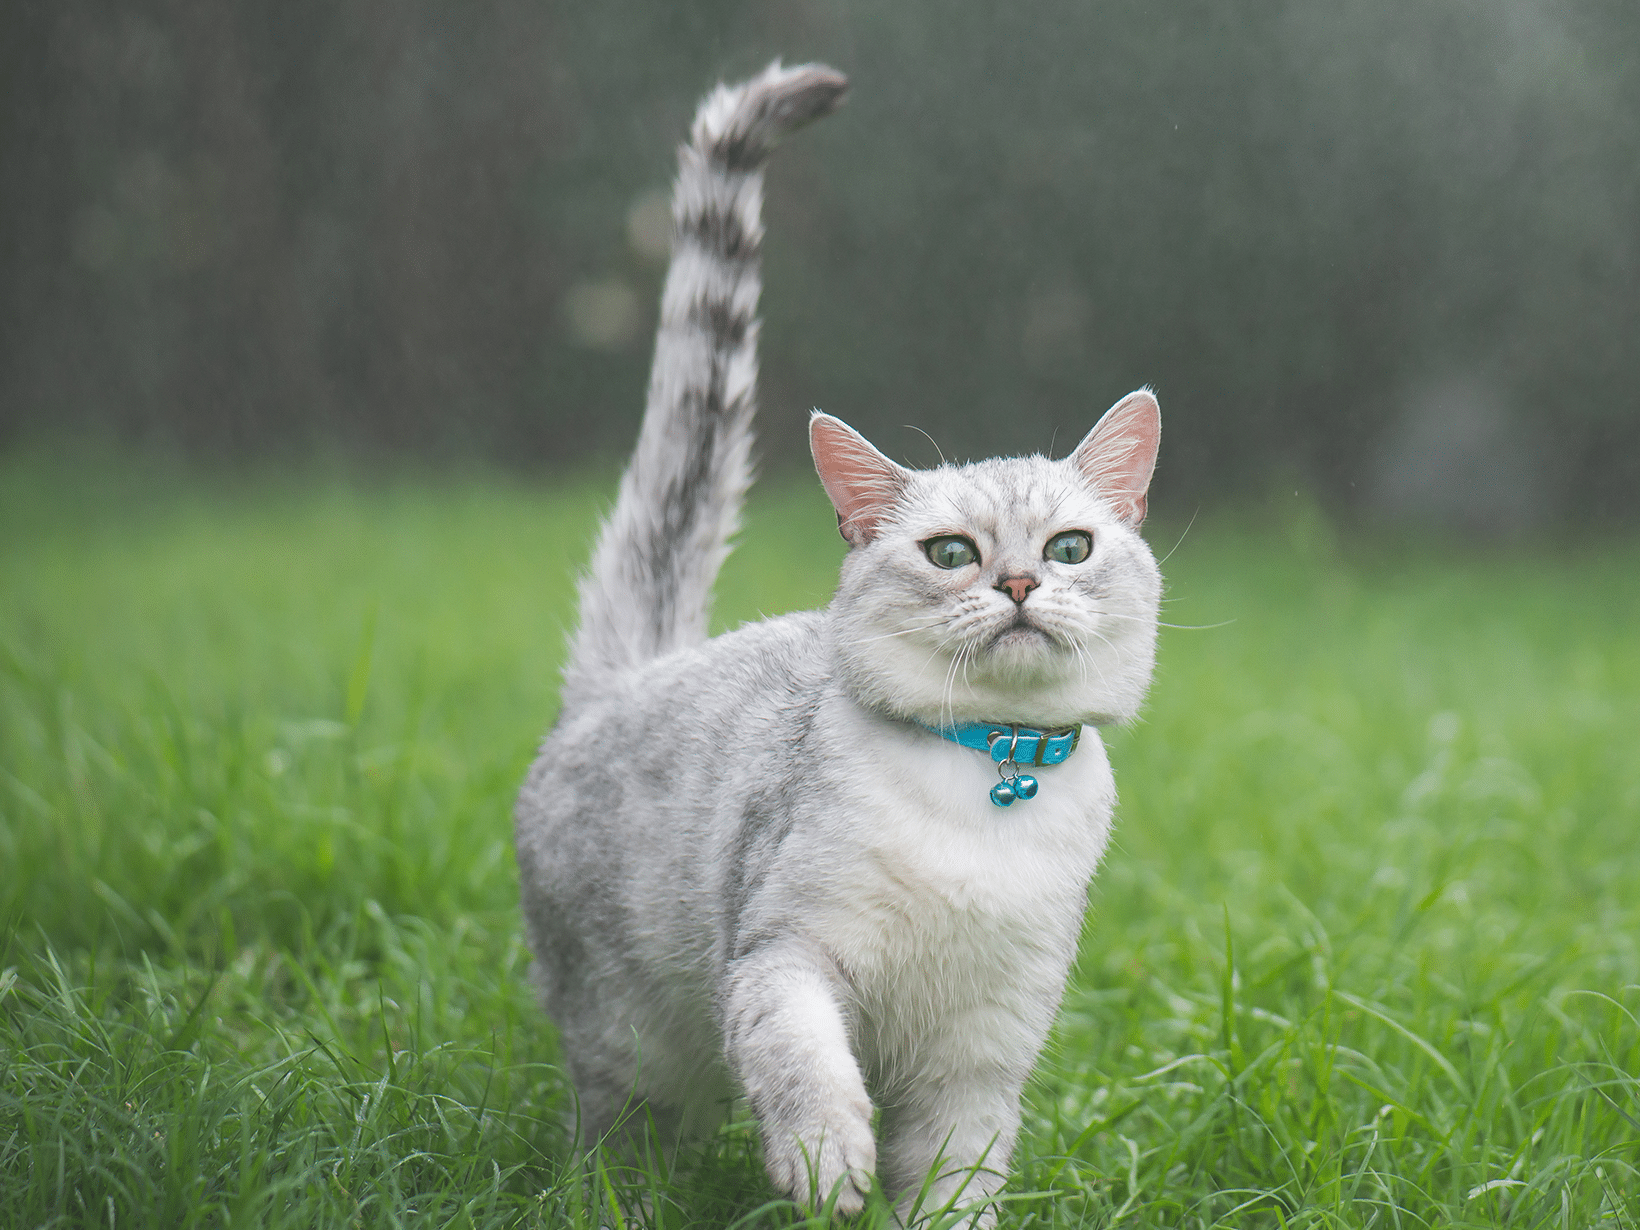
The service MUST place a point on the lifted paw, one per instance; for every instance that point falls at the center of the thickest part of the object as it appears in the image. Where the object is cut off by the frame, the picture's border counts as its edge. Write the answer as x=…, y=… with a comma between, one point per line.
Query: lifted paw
x=809, y=1163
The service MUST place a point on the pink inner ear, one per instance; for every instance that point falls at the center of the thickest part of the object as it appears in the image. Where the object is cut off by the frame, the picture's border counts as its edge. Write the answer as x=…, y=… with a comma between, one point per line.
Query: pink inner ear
x=862, y=483
x=1119, y=454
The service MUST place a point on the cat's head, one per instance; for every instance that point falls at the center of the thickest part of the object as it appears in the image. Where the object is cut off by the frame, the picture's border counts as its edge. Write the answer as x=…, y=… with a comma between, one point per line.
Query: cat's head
x=1016, y=589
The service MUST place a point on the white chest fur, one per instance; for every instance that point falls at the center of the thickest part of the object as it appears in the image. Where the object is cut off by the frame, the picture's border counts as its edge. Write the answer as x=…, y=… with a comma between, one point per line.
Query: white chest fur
x=955, y=915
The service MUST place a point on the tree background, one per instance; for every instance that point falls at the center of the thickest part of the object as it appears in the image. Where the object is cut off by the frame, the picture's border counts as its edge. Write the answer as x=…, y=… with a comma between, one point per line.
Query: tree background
x=1382, y=249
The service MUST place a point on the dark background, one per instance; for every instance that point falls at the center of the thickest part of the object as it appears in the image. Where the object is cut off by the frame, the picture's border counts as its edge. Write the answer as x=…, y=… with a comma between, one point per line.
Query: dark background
x=1388, y=250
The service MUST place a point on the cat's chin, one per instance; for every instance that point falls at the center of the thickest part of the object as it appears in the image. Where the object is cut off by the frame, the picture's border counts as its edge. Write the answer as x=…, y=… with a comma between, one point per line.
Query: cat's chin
x=1020, y=675
x=1022, y=654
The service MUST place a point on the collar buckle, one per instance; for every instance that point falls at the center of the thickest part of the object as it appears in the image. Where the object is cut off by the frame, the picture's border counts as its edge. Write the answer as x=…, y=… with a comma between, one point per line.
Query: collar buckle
x=1011, y=746
x=1028, y=745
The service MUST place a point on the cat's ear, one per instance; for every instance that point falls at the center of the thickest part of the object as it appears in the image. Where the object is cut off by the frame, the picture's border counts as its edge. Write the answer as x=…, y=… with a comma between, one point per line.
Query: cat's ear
x=862, y=483
x=1118, y=455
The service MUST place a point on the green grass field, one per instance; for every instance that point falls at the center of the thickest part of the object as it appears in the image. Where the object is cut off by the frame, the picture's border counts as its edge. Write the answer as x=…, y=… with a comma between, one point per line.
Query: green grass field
x=1366, y=951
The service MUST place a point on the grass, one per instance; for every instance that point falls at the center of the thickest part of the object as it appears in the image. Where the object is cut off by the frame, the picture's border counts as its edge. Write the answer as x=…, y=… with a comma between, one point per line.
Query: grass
x=1366, y=951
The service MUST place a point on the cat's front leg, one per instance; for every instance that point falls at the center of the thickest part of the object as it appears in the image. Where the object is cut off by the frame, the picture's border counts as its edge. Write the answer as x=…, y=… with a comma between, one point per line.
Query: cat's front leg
x=960, y=1128
x=788, y=1043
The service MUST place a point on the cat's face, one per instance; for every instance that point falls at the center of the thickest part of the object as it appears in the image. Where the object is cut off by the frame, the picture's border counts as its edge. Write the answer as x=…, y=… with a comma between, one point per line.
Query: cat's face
x=1016, y=589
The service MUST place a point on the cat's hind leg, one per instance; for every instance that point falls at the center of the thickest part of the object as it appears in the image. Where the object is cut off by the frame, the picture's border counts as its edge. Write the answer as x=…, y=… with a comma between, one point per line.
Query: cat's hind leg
x=652, y=1093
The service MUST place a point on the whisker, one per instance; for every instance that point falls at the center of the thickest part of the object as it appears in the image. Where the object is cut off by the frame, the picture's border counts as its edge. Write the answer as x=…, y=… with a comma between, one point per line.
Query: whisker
x=1081, y=658
x=1176, y=545
x=1102, y=680
x=1161, y=624
x=930, y=439
x=947, y=707
x=868, y=640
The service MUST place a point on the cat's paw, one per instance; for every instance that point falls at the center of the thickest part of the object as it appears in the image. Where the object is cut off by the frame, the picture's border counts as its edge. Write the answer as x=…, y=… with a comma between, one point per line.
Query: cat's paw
x=808, y=1163
x=916, y=1214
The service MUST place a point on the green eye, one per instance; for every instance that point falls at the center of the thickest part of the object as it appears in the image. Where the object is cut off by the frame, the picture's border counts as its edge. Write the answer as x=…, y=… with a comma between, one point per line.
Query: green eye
x=951, y=551
x=1071, y=547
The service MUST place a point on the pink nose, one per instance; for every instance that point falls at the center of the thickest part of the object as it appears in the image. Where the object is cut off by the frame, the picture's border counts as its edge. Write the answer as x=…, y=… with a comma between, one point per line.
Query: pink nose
x=1017, y=587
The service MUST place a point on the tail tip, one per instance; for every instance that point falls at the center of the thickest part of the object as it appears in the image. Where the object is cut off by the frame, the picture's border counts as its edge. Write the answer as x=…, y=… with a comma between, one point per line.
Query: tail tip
x=741, y=124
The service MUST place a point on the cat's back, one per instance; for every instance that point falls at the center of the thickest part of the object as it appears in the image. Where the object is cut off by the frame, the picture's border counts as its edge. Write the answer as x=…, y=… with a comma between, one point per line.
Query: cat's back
x=651, y=751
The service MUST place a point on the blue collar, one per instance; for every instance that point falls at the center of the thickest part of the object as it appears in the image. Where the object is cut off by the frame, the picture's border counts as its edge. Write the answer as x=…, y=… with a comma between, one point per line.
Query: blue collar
x=1020, y=744
x=1011, y=746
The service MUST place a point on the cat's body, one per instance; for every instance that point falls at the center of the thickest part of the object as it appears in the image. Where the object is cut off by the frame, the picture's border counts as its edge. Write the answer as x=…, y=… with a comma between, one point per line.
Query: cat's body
x=890, y=884
x=748, y=863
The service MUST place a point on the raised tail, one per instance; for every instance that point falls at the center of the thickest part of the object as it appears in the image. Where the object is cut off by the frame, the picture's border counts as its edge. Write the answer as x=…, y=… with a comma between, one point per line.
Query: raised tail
x=649, y=588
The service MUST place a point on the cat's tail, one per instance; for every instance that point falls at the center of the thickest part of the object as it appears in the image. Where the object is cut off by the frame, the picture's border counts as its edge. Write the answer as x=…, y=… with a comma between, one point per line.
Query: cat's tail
x=648, y=591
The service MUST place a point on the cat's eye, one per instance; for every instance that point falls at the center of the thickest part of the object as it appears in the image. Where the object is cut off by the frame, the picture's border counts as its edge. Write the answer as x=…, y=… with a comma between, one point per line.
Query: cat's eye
x=1071, y=547
x=951, y=551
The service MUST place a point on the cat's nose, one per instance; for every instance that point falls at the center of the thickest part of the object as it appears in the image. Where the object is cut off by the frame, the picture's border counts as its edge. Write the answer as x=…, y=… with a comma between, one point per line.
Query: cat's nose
x=1017, y=587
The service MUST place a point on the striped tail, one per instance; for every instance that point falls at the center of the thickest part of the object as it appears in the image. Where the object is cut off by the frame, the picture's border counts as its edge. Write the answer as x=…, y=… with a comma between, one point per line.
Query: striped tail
x=648, y=591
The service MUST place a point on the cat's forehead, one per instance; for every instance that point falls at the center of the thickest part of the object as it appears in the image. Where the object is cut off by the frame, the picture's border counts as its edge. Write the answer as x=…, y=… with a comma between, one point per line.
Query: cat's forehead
x=1003, y=494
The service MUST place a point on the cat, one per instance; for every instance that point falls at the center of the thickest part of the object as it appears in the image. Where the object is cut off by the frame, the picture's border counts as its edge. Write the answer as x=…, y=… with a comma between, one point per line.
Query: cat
x=778, y=863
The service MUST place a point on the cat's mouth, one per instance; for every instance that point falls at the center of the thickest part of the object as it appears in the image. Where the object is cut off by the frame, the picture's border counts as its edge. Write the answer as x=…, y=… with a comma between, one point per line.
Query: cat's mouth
x=1020, y=630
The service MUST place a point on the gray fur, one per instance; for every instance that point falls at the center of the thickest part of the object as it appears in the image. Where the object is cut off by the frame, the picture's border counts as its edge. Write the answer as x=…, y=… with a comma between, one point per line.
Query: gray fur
x=745, y=868
x=649, y=590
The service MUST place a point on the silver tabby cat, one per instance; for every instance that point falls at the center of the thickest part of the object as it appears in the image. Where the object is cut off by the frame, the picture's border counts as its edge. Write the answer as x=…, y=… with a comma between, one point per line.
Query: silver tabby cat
x=753, y=865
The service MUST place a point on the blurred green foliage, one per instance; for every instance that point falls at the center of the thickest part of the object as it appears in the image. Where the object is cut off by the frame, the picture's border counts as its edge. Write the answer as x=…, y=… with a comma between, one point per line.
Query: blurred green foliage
x=428, y=228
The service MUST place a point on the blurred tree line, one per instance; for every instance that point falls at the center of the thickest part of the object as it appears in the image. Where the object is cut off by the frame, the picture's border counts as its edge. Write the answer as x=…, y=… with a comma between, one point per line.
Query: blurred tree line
x=1388, y=249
